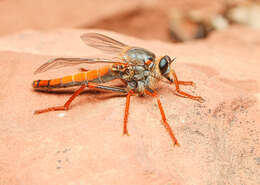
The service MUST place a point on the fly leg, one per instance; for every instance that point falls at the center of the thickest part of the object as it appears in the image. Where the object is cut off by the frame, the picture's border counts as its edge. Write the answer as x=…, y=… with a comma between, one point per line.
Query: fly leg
x=180, y=92
x=187, y=83
x=127, y=104
x=66, y=105
x=76, y=93
x=152, y=93
x=82, y=69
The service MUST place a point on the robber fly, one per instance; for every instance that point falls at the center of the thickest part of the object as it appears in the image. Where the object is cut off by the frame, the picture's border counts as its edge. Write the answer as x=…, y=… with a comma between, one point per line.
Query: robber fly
x=138, y=68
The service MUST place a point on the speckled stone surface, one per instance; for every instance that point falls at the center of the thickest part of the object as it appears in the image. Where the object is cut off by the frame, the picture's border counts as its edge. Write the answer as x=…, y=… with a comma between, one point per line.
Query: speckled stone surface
x=219, y=139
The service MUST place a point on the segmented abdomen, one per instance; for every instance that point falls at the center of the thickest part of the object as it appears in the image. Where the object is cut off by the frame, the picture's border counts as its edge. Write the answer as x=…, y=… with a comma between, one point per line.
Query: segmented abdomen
x=100, y=75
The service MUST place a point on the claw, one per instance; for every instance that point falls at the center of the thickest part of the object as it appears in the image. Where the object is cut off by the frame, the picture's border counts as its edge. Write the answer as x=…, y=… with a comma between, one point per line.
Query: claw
x=126, y=134
x=200, y=99
x=176, y=144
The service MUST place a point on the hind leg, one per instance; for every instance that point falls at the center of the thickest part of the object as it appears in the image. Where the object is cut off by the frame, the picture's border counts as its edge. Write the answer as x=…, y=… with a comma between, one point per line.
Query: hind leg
x=76, y=93
x=65, y=106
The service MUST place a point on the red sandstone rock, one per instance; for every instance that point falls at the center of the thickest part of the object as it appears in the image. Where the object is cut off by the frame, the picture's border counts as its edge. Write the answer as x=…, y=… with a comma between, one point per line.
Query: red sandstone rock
x=219, y=139
x=48, y=14
x=140, y=18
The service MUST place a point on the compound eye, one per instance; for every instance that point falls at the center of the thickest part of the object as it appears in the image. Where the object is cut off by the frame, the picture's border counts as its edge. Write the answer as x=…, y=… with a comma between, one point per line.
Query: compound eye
x=163, y=65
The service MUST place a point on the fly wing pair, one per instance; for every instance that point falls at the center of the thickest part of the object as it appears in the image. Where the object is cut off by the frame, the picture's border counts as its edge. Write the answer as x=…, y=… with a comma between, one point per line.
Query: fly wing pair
x=96, y=40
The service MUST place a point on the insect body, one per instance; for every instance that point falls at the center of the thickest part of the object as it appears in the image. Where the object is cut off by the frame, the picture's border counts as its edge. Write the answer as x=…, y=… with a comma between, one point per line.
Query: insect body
x=138, y=68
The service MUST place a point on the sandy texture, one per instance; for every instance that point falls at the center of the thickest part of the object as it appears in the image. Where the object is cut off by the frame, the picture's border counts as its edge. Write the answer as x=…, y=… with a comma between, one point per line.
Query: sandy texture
x=219, y=138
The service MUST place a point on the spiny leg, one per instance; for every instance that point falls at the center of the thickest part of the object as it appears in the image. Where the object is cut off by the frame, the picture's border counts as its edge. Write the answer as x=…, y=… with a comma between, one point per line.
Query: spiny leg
x=130, y=93
x=177, y=83
x=165, y=123
x=66, y=105
x=76, y=93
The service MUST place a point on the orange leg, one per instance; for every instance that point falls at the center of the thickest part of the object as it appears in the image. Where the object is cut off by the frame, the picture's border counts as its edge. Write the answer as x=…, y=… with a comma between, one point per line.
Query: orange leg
x=130, y=93
x=165, y=123
x=65, y=106
x=187, y=83
x=89, y=85
x=82, y=69
x=177, y=83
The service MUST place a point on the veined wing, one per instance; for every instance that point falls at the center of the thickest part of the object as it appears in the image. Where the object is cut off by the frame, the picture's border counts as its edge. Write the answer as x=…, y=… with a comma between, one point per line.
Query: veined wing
x=57, y=63
x=103, y=43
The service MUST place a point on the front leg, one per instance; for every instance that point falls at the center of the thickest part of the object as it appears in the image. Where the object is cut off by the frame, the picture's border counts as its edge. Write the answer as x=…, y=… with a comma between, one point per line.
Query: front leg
x=180, y=92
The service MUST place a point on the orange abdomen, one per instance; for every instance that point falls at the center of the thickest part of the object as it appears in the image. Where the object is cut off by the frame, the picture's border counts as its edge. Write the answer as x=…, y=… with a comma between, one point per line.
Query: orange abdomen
x=100, y=75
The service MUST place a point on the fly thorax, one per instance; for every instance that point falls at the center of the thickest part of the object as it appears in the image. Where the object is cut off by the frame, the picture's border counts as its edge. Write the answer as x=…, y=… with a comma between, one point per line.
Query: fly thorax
x=127, y=74
x=152, y=81
x=139, y=56
x=136, y=86
x=141, y=87
x=132, y=85
x=138, y=73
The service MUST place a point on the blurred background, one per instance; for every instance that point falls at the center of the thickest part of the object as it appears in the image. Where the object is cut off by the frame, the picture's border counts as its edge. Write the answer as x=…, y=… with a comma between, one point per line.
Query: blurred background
x=167, y=20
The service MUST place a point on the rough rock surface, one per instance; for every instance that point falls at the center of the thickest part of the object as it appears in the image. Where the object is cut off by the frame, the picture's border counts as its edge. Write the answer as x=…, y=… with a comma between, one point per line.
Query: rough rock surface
x=219, y=138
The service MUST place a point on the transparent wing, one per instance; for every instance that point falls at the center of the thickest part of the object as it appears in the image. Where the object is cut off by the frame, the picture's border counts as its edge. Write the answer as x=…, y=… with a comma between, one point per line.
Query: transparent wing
x=104, y=43
x=57, y=63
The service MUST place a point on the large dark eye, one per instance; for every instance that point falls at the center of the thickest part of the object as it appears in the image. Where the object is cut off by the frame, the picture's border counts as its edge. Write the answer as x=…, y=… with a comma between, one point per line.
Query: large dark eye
x=163, y=65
